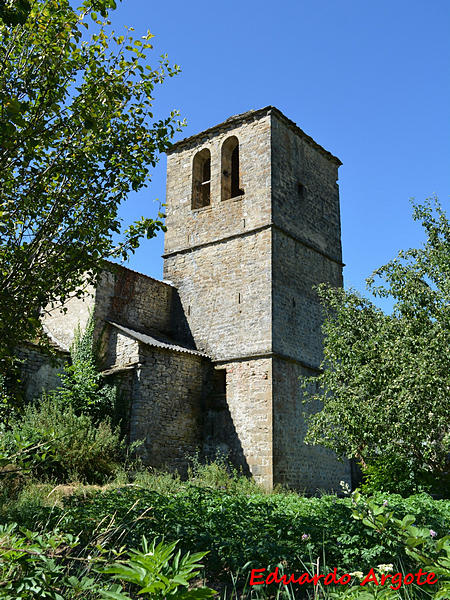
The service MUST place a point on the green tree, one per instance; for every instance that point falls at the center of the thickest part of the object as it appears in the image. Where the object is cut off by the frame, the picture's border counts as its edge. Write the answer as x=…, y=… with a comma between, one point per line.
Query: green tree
x=77, y=134
x=385, y=385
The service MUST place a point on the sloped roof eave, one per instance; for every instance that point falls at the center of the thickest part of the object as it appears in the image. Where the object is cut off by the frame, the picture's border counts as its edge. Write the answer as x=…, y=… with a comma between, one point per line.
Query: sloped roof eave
x=149, y=340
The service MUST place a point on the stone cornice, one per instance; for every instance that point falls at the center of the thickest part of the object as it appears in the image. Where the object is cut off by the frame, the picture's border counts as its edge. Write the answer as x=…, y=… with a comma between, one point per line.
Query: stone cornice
x=250, y=232
x=260, y=355
x=251, y=115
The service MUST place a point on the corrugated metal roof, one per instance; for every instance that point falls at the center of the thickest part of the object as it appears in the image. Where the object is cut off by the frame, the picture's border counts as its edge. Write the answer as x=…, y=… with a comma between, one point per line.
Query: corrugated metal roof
x=157, y=342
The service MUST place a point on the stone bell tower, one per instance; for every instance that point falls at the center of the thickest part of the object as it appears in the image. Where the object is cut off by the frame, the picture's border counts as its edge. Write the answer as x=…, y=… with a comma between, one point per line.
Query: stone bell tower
x=252, y=225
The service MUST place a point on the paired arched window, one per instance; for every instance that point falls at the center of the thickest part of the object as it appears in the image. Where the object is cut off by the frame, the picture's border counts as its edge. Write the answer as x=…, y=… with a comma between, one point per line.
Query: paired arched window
x=201, y=179
x=201, y=174
x=230, y=169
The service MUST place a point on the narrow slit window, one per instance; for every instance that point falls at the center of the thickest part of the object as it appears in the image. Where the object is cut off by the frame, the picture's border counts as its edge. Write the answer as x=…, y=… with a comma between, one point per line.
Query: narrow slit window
x=301, y=189
x=201, y=179
x=231, y=177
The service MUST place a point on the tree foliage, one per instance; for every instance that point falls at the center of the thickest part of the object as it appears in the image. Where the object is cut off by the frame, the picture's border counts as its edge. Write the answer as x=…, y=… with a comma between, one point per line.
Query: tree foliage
x=77, y=134
x=385, y=386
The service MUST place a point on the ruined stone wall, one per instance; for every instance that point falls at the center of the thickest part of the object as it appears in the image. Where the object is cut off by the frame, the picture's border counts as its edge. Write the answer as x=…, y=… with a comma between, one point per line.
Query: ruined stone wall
x=167, y=406
x=39, y=372
x=307, y=468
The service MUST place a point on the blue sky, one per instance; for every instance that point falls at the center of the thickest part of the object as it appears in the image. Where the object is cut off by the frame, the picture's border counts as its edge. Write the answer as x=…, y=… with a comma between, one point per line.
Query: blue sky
x=368, y=81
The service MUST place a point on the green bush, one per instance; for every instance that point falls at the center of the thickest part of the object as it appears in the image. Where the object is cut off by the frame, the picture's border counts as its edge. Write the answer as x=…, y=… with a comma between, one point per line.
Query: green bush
x=423, y=545
x=41, y=565
x=54, y=565
x=70, y=446
x=83, y=388
x=390, y=474
x=158, y=572
x=395, y=475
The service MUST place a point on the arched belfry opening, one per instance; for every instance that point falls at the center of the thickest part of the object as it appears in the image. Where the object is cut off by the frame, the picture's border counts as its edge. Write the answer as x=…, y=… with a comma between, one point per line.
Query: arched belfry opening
x=201, y=179
x=231, y=187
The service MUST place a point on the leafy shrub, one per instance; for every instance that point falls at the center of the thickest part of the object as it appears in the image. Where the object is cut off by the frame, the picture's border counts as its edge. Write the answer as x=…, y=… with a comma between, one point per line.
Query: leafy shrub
x=70, y=447
x=395, y=475
x=422, y=544
x=384, y=387
x=389, y=474
x=83, y=388
x=158, y=572
x=246, y=529
x=40, y=565
x=54, y=565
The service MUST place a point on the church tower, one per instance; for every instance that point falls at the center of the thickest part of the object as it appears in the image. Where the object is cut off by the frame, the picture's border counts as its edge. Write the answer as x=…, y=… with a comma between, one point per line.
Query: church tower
x=252, y=225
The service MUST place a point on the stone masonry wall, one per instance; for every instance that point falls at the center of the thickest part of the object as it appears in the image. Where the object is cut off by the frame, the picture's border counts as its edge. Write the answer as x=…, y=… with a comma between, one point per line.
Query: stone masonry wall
x=167, y=406
x=122, y=295
x=225, y=291
x=118, y=349
x=305, y=195
x=297, y=312
x=133, y=299
x=249, y=399
x=308, y=468
x=306, y=251
x=224, y=286
x=186, y=227
x=39, y=372
x=61, y=321
x=306, y=241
